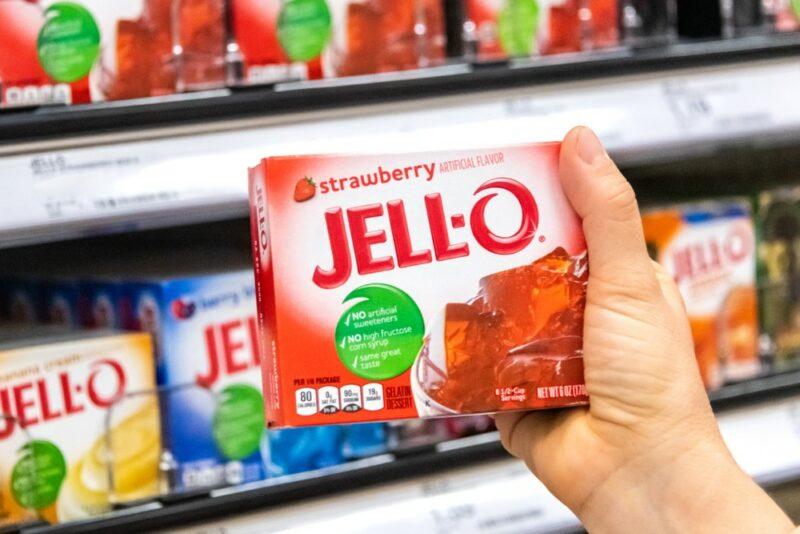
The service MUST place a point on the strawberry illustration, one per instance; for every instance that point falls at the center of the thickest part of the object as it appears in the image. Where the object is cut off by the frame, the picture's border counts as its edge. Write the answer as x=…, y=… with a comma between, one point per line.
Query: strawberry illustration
x=305, y=189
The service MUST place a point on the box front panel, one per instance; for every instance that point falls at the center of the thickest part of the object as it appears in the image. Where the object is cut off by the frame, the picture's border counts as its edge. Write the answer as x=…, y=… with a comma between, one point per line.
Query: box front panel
x=393, y=274
x=709, y=248
x=214, y=419
x=50, y=469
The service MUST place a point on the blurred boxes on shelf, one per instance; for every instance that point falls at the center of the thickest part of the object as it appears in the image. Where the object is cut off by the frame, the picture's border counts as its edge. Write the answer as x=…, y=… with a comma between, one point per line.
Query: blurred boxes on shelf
x=199, y=306
x=498, y=29
x=296, y=450
x=784, y=14
x=645, y=23
x=20, y=299
x=709, y=248
x=258, y=48
x=60, y=302
x=308, y=39
x=74, y=437
x=57, y=52
x=721, y=18
x=778, y=218
x=93, y=50
x=374, y=36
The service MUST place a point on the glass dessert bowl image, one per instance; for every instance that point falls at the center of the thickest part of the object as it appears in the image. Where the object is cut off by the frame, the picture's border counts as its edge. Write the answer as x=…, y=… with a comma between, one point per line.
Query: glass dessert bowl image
x=516, y=345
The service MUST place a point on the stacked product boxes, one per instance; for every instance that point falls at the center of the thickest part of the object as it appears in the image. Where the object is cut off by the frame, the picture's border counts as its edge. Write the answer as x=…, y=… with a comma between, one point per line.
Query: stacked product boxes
x=203, y=327
x=205, y=379
x=742, y=292
x=517, y=28
x=779, y=275
x=91, y=50
x=58, y=52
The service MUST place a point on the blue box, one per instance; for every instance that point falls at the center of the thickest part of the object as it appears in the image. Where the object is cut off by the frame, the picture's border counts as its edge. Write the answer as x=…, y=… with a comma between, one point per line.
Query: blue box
x=99, y=303
x=21, y=301
x=60, y=302
x=295, y=450
x=204, y=330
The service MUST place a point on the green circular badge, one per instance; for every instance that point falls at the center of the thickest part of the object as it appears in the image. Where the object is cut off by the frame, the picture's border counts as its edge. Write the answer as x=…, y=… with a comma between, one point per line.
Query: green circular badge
x=304, y=28
x=517, y=25
x=380, y=335
x=796, y=7
x=69, y=42
x=37, y=476
x=238, y=424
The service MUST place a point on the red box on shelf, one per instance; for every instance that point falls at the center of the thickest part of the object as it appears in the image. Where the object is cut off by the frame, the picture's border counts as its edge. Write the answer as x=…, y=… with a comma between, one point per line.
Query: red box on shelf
x=522, y=28
x=280, y=41
x=54, y=52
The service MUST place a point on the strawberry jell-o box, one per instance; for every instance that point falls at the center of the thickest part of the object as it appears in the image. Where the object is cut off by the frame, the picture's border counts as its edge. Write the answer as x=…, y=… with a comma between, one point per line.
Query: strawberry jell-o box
x=417, y=285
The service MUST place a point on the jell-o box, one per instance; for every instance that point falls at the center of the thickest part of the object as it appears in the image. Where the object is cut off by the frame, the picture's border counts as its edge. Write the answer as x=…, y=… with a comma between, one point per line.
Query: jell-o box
x=710, y=250
x=78, y=434
x=417, y=285
x=203, y=322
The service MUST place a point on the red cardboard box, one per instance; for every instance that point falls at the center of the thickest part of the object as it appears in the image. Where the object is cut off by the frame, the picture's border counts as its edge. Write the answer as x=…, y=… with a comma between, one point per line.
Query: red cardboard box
x=417, y=285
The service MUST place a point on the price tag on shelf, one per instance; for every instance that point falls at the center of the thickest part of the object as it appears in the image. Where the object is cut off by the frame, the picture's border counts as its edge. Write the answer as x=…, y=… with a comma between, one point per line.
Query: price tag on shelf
x=724, y=102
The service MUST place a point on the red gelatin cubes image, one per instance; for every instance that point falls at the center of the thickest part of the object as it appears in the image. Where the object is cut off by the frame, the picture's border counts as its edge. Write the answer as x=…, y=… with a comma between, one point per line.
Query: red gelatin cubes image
x=523, y=329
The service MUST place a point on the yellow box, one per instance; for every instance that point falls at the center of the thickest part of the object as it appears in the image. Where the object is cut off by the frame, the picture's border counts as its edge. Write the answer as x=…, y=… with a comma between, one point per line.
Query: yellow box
x=57, y=397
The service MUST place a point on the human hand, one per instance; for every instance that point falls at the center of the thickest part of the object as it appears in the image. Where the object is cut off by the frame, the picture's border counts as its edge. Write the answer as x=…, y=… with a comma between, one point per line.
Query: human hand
x=646, y=455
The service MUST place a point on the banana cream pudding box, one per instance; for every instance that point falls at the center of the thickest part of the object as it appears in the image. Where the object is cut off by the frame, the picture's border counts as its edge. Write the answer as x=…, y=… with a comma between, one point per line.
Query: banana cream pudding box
x=417, y=285
x=58, y=395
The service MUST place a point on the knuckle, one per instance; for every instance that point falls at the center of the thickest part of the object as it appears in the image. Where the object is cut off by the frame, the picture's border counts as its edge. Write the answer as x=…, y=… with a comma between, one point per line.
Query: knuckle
x=620, y=198
x=630, y=287
x=507, y=426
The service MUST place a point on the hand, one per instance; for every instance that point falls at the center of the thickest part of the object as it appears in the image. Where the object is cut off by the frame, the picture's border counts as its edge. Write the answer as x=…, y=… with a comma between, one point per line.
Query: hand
x=646, y=455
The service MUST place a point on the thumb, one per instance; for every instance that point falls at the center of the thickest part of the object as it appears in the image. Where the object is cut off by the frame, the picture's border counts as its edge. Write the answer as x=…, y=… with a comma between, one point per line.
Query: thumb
x=605, y=201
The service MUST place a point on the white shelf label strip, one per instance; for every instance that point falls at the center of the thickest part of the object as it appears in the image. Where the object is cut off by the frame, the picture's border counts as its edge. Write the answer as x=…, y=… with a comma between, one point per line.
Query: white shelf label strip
x=765, y=440
x=84, y=185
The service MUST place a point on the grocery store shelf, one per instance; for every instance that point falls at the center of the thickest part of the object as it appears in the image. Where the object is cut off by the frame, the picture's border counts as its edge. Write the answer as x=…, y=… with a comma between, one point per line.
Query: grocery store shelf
x=760, y=422
x=225, y=104
x=87, y=170
x=275, y=492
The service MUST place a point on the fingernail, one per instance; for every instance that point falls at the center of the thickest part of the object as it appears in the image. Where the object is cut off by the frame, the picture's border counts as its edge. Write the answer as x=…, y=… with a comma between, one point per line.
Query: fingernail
x=589, y=146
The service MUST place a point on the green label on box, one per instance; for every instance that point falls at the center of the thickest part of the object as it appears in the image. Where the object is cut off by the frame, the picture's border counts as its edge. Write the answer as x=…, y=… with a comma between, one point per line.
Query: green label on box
x=517, y=25
x=37, y=476
x=380, y=336
x=304, y=28
x=69, y=42
x=238, y=421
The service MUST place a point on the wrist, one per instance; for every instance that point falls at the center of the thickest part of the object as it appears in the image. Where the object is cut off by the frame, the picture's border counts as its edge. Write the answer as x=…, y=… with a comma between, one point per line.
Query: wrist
x=698, y=488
